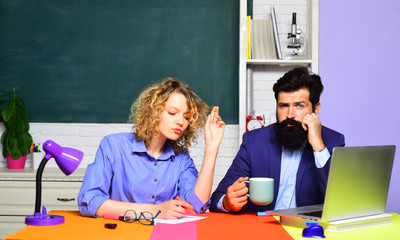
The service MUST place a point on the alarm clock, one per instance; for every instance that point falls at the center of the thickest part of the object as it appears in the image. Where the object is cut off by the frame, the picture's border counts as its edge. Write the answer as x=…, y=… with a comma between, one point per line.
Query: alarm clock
x=253, y=123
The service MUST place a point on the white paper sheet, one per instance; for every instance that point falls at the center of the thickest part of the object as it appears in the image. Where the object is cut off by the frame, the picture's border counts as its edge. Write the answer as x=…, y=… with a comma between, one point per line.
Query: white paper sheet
x=183, y=219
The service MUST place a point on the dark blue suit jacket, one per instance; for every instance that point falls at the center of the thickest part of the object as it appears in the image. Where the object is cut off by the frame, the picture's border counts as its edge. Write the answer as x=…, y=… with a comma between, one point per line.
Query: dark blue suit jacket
x=260, y=156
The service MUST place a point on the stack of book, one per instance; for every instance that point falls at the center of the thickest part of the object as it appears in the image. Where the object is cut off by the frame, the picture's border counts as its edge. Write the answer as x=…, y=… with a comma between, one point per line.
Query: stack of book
x=263, y=38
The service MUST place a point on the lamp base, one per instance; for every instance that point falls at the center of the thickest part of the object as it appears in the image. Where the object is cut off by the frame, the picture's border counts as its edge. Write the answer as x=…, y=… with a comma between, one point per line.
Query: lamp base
x=44, y=220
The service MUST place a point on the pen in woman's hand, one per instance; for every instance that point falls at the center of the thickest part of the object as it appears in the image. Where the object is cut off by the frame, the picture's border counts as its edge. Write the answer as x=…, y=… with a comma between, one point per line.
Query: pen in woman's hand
x=189, y=210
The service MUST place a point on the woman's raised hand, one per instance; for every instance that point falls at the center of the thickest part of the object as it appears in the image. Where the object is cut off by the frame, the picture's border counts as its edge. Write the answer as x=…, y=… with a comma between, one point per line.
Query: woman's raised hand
x=214, y=129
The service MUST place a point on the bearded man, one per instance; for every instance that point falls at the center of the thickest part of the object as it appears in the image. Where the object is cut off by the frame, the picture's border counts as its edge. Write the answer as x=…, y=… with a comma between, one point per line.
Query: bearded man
x=295, y=151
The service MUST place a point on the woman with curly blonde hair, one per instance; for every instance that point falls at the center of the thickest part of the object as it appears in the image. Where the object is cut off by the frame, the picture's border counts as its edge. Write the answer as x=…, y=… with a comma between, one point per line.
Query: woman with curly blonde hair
x=146, y=110
x=150, y=170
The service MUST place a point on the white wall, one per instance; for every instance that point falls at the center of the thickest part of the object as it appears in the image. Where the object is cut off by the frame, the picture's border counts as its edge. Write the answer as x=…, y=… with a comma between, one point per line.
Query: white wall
x=86, y=137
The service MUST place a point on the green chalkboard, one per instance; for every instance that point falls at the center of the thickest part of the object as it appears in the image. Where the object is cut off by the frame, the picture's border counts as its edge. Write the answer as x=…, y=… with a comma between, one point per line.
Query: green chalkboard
x=87, y=61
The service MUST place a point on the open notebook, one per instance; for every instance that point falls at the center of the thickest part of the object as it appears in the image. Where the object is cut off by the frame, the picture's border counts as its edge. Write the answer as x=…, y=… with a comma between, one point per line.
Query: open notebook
x=356, y=192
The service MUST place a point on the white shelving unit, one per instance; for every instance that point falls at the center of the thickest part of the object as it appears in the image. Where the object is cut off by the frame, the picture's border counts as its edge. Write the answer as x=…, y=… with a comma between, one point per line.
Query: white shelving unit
x=255, y=70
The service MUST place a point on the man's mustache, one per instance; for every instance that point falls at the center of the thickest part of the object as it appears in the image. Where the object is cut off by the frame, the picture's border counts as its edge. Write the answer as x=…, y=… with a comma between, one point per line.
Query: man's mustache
x=290, y=121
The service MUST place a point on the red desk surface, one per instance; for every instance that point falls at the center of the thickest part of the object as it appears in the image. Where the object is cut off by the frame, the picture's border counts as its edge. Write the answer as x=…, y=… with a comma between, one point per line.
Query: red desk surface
x=240, y=226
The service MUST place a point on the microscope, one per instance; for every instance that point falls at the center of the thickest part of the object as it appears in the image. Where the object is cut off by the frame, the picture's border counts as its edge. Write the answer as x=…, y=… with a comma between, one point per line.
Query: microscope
x=298, y=41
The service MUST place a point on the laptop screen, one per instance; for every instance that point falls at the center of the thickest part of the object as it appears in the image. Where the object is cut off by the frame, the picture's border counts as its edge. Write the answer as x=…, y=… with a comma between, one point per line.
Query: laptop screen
x=358, y=182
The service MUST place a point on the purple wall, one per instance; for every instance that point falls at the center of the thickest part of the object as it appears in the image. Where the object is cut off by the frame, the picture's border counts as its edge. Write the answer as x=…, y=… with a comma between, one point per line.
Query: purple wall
x=359, y=52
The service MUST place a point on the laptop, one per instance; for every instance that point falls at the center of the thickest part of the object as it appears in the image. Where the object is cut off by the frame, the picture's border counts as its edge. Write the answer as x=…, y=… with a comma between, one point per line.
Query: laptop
x=357, y=190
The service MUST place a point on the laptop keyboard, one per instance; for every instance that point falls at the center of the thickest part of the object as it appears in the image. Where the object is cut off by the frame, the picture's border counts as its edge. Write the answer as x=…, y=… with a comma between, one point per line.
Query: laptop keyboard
x=313, y=214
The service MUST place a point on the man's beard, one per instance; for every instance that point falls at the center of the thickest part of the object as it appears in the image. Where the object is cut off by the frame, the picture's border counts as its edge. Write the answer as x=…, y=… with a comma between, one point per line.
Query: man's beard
x=293, y=137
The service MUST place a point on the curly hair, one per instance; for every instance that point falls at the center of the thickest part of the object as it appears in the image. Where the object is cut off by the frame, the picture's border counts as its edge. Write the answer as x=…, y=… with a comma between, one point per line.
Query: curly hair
x=146, y=111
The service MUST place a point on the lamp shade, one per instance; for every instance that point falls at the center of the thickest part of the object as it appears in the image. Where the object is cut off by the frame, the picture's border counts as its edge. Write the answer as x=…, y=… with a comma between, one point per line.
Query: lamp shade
x=67, y=159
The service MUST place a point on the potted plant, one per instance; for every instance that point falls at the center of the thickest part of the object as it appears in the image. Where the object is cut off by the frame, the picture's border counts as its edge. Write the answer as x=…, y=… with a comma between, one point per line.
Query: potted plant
x=16, y=140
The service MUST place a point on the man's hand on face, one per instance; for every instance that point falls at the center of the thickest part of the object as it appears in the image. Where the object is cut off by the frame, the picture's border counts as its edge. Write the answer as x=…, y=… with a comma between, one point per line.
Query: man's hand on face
x=313, y=125
x=236, y=197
